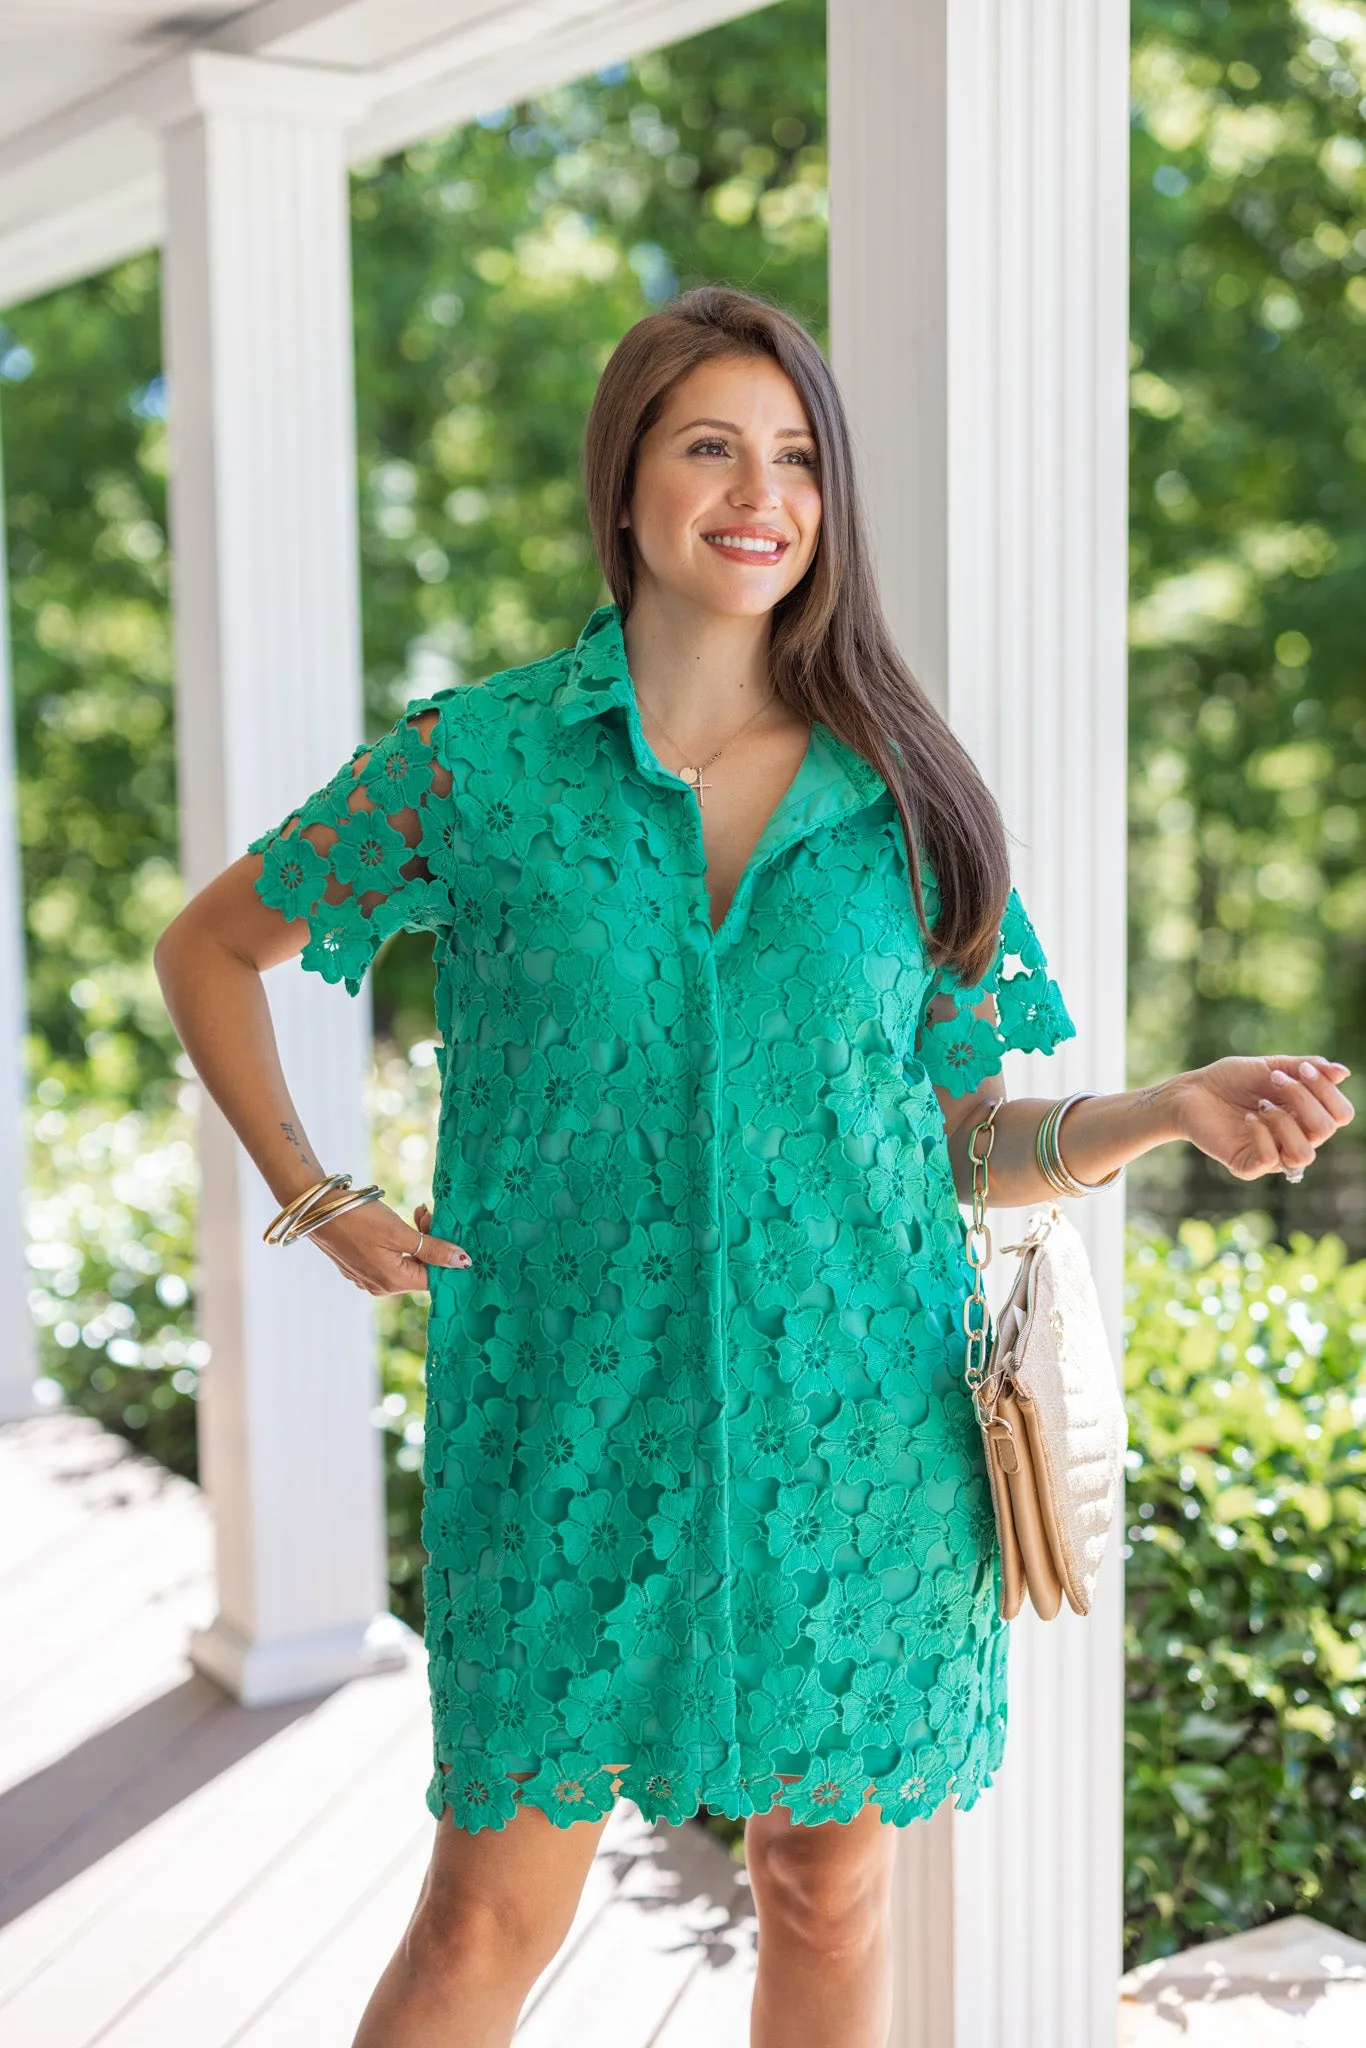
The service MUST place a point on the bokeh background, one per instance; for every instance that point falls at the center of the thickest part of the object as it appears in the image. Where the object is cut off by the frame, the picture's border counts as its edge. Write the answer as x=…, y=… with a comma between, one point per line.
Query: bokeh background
x=495, y=267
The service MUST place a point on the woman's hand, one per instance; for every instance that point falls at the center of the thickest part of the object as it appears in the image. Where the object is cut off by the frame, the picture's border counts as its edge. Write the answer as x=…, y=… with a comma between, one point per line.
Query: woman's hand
x=375, y=1248
x=1258, y=1116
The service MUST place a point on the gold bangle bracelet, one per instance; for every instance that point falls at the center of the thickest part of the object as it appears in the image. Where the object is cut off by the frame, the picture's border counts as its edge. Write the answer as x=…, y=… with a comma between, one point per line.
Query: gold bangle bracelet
x=276, y=1230
x=343, y=1207
x=1055, y=1171
x=1043, y=1159
x=1087, y=1186
x=1048, y=1152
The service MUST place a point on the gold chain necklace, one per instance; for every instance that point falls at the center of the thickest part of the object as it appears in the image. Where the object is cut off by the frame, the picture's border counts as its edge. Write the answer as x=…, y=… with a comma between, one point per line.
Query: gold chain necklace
x=691, y=771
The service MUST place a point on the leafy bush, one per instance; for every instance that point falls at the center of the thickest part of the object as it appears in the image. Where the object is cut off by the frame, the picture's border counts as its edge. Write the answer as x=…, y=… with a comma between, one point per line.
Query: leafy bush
x=111, y=1202
x=110, y=1213
x=1246, y=1584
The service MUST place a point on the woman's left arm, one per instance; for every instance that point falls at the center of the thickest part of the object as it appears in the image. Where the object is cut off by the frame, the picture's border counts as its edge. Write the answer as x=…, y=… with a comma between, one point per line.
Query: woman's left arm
x=1255, y=1116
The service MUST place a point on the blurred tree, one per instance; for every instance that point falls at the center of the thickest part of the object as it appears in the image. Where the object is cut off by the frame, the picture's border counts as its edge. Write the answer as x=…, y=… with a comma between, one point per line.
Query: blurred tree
x=85, y=459
x=1248, y=539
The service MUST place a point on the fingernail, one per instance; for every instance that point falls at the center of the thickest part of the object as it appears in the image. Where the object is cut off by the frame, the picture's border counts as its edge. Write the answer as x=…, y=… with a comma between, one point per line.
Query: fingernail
x=1277, y=1075
x=1264, y=1104
x=1308, y=1072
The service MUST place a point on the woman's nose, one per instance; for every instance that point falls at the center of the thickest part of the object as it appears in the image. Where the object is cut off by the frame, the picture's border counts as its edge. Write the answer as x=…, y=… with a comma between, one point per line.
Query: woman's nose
x=754, y=487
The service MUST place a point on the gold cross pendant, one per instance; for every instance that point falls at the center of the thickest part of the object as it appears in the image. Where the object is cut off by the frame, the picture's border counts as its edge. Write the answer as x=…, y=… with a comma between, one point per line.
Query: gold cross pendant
x=694, y=776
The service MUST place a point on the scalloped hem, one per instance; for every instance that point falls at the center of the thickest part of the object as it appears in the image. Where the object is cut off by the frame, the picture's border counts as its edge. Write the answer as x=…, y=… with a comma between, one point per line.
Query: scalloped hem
x=575, y=1788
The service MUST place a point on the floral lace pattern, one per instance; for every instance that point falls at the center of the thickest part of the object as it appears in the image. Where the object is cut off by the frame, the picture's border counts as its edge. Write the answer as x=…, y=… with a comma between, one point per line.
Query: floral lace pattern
x=705, y=1502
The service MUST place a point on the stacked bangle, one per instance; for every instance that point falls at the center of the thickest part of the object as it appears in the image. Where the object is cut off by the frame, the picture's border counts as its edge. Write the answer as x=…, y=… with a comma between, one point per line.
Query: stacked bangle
x=330, y=1211
x=320, y=1204
x=277, y=1230
x=1049, y=1158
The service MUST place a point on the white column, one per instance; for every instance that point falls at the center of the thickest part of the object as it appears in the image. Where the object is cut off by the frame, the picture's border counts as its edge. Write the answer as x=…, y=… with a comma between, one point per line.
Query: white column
x=17, y=1354
x=258, y=333
x=978, y=272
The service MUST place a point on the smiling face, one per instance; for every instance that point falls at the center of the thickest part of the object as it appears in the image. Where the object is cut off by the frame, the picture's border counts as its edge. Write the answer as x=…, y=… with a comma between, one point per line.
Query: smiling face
x=726, y=508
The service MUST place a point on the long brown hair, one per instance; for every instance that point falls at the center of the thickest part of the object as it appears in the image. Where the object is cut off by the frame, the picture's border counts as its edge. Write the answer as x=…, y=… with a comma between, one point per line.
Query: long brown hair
x=832, y=656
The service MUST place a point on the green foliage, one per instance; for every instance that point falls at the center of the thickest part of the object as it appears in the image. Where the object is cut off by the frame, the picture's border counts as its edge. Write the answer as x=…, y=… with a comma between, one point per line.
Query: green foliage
x=1248, y=546
x=110, y=1213
x=85, y=461
x=1245, y=1584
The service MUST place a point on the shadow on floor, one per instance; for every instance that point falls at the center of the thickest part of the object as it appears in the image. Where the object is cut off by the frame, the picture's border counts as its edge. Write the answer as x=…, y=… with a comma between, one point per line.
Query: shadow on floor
x=64, y=1818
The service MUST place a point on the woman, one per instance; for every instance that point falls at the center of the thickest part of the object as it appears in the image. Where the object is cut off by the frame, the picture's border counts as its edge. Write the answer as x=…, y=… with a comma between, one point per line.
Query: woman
x=727, y=960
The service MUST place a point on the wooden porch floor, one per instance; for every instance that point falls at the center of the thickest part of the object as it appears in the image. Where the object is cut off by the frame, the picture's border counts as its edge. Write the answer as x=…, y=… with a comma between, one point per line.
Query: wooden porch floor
x=178, y=1871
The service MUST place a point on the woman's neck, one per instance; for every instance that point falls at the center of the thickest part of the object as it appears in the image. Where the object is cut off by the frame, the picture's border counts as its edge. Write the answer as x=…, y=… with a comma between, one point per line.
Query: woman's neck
x=700, y=672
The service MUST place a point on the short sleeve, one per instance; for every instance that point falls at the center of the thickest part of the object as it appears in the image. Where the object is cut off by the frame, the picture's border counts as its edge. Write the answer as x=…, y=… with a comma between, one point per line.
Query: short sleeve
x=960, y=1050
x=354, y=859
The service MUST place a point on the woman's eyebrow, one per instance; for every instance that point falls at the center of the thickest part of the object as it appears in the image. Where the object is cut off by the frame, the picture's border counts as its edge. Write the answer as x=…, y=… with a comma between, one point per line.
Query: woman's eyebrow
x=729, y=427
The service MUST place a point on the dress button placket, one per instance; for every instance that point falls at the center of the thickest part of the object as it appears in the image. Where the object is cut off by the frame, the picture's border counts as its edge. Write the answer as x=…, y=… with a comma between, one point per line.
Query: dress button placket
x=700, y=945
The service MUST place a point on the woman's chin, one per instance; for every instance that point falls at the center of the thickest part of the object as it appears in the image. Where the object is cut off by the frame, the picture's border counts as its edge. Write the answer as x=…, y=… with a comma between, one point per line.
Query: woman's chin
x=734, y=592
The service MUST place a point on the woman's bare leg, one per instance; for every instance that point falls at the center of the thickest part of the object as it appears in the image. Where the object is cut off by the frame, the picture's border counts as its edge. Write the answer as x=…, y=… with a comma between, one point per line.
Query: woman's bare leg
x=494, y=1908
x=823, y=1900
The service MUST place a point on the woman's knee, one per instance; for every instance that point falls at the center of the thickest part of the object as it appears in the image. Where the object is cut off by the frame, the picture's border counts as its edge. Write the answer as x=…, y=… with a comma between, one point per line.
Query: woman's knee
x=827, y=1888
x=483, y=1935
x=495, y=1907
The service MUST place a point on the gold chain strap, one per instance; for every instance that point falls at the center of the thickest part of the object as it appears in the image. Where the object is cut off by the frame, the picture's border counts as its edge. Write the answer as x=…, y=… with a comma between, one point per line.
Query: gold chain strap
x=976, y=1316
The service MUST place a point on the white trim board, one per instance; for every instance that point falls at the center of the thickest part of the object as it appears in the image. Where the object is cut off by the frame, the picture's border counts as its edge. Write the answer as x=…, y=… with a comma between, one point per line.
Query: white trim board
x=83, y=188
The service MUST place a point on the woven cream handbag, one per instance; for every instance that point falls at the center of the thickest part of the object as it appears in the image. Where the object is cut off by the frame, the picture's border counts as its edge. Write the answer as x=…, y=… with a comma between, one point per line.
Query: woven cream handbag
x=1049, y=1404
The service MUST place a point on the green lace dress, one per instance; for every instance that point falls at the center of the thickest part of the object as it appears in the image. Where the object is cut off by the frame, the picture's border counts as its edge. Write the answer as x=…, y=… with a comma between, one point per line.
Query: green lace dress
x=705, y=1501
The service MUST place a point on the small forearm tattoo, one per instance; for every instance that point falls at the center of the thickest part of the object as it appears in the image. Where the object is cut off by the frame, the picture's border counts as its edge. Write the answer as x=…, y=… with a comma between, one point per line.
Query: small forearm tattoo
x=1144, y=1098
x=292, y=1135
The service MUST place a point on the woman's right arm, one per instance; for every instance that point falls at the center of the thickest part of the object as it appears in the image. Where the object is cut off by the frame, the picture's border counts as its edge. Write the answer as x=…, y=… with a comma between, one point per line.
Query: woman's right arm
x=209, y=961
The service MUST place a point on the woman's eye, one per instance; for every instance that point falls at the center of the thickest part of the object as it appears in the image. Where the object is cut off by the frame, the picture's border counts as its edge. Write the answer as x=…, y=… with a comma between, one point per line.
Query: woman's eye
x=805, y=457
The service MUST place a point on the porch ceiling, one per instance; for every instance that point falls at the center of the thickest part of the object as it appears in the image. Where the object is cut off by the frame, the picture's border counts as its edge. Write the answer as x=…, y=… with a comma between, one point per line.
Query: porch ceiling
x=81, y=80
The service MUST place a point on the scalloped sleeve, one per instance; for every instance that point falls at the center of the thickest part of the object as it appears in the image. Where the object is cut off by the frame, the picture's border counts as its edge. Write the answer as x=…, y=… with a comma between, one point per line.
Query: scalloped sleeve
x=361, y=857
x=961, y=1050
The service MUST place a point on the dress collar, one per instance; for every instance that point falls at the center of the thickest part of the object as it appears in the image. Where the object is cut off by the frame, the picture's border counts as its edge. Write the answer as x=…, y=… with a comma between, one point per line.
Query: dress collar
x=598, y=678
